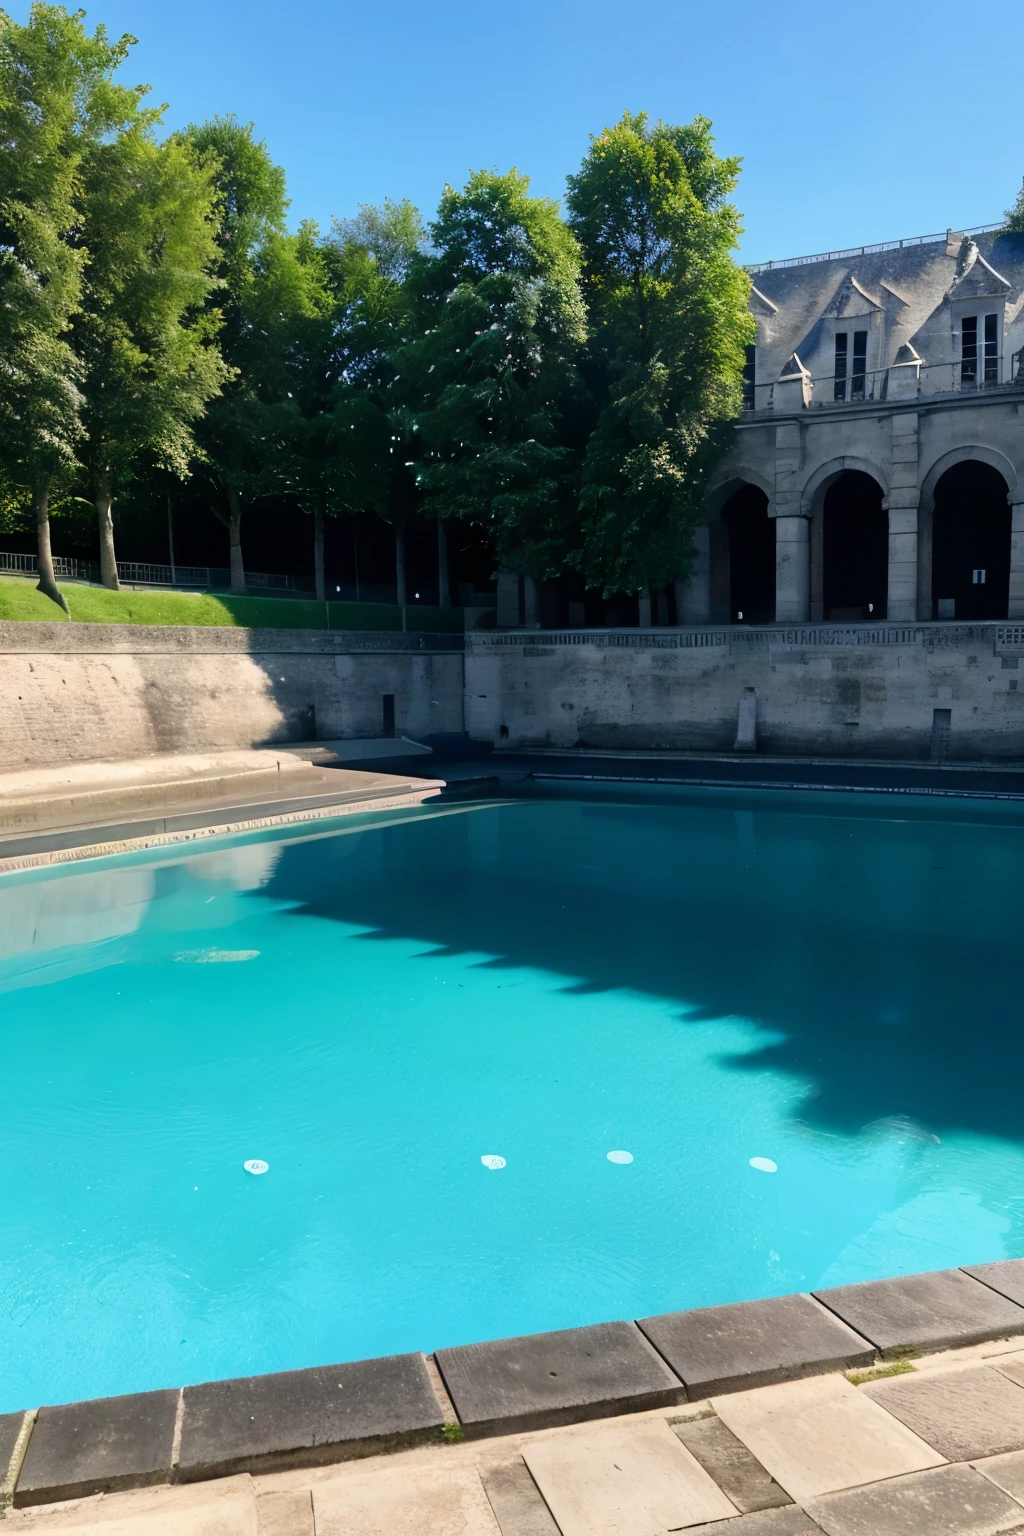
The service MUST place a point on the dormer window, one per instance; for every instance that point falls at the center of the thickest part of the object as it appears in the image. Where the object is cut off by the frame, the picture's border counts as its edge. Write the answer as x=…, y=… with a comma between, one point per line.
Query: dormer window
x=748, y=378
x=850, y=383
x=979, y=350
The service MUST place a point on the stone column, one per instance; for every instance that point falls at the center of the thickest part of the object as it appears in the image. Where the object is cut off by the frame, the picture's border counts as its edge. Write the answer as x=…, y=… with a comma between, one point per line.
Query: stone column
x=508, y=600
x=531, y=604
x=902, y=601
x=1016, y=608
x=792, y=531
x=792, y=570
x=693, y=597
x=643, y=608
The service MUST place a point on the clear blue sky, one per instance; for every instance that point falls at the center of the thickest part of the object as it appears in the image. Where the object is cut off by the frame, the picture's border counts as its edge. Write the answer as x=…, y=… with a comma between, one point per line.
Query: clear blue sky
x=855, y=123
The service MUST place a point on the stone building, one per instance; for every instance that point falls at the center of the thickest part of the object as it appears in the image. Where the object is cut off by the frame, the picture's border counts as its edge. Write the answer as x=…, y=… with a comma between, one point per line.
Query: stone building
x=878, y=467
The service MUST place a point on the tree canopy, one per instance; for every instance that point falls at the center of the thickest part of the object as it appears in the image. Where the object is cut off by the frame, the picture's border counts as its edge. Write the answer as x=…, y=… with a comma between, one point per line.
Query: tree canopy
x=560, y=383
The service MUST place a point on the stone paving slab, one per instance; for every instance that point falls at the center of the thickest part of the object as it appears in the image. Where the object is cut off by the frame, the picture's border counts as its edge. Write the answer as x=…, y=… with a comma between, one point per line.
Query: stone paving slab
x=821, y=1434
x=1007, y=1472
x=949, y=1501
x=1011, y=1367
x=516, y=1500
x=224, y=1508
x=754, y=1343
x=769, y=1522
x=546, y=1379
x=11, y=1426
x=623, y=1480
x=940, y=1310
x=405, y=1501
x=734, y=1468
x=964, y=1414
x=285, y=1513
x=1005, y=1276
x=306, y=1418
x=98, y=1446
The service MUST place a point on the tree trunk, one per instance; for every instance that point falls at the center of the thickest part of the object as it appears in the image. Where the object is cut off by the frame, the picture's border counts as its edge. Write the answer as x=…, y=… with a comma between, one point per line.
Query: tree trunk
x=444, y=594
x=104, y=498
x=235, y=536
x=318, y=555
x=47, y=580
x=400, y=564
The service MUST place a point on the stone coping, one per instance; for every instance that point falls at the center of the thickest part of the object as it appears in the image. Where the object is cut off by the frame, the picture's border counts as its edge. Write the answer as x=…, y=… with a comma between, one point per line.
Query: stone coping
x=333, y=1413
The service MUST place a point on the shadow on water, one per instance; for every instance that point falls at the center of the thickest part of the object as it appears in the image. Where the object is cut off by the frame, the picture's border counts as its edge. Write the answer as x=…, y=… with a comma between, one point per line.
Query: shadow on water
x=882, y=953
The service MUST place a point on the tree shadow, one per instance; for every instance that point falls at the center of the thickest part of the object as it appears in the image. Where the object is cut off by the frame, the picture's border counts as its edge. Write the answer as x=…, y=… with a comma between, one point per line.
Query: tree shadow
x=880, y=952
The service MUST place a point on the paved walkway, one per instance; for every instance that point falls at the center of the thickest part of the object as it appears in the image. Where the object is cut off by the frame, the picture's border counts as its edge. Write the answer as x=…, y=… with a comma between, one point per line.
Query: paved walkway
x=936, y=1450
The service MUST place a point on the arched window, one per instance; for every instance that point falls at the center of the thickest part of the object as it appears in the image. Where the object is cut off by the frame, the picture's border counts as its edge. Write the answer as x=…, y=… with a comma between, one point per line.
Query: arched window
x=751, y=535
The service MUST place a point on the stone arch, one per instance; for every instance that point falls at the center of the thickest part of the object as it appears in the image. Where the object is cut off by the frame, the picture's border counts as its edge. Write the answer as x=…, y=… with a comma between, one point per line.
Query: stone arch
x=970, y=451
x=720, y=493
x=812, y=504
x=964, y=454
x=818, y=482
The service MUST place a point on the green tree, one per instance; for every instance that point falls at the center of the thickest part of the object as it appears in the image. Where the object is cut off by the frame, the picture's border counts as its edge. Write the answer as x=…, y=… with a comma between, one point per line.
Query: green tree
x=265, y=289
x=334, y=435
x=668, y=309
x=490, y=372
x=57, y=99
x=1015, y=215
x=374, y=255
x=146, y=331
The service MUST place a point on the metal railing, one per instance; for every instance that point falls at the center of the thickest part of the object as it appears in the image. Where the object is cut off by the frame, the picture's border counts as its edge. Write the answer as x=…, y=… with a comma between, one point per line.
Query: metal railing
x=830, y=390
x=142, y=573
x=872, y=250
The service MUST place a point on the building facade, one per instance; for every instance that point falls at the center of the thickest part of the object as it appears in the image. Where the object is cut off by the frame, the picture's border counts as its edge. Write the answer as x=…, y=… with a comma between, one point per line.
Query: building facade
x=878, y=466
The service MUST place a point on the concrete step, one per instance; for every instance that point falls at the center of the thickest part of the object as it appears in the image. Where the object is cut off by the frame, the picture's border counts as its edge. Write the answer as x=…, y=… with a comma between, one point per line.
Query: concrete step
x=89, y=793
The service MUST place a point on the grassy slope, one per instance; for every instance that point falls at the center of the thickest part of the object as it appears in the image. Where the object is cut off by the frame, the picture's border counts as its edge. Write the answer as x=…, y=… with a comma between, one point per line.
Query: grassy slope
x=19, y=600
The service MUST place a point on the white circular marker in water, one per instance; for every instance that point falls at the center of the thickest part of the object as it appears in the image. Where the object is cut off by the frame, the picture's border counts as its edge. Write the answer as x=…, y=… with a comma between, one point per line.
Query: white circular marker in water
x=492, y=1160
x=256, y=1165
x=764, y=1165
x=620, y=1157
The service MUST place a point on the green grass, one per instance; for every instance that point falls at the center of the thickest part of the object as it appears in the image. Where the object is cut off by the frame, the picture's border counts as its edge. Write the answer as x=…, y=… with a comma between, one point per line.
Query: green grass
x=879, y=1372
x=20, y=602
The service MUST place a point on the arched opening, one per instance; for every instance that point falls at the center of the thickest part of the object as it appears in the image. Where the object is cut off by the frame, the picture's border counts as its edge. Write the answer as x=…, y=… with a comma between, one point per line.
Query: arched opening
x=971, y=543
x=751, y=535
x=855, y=548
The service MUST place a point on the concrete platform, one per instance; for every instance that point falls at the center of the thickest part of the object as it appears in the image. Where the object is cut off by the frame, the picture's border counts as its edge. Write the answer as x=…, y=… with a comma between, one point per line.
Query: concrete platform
x=98, y=1446
x=48, y=815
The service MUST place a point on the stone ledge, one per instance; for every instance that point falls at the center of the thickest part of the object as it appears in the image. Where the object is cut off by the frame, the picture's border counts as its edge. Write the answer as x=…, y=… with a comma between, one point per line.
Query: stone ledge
x=754, y=1344
x=306, y=1418
x=944, y=1309
x=542, y=1380
x=334, y=1413
x=101, y=1446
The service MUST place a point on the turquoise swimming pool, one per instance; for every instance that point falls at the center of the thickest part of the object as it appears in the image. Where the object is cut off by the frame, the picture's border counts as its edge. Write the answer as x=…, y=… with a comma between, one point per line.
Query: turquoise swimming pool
x=798, y=1016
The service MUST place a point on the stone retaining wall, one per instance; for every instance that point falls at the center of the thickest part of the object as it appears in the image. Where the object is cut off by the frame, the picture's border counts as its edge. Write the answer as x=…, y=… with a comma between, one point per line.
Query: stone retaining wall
x=80, y=693
x=93, y=692
x=821, y=690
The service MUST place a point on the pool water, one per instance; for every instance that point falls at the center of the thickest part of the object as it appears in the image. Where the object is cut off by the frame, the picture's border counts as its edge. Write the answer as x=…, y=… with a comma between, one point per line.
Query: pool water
x=829, y=985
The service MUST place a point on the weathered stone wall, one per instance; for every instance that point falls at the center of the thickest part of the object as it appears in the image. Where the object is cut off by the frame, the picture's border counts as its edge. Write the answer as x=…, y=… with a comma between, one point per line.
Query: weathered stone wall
x=91, y=692
x=81, y=693
x=823, y=690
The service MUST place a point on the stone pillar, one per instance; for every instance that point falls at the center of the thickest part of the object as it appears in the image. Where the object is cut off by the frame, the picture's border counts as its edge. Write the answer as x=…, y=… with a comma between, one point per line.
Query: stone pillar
x=693, y=597
x=643, y=608
x=531, y=604
x=792, y=570
x=902, y=601
x=508, y=600
x=792, y=532
x=1016, y=608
